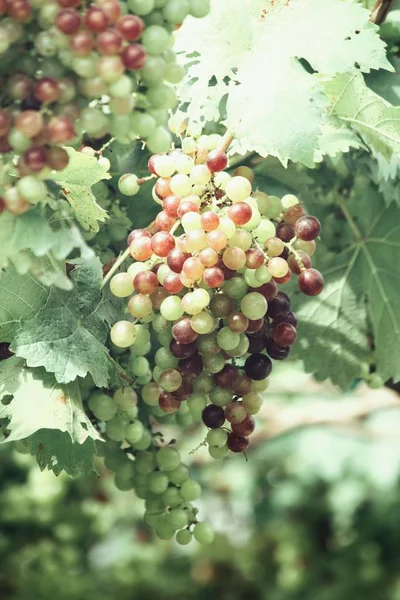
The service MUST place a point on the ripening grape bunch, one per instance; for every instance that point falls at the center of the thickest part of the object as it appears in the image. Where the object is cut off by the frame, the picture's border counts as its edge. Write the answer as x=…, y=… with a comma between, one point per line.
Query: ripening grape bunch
x=72, y=68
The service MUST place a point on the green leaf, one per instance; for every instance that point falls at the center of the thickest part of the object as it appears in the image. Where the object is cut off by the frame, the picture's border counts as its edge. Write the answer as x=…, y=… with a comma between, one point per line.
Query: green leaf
x=362, y=284
x=76, y=180
x=38, y=402
x=377, y=122
x=386, y=84
x=54, y=450
x=33, y=245
x=21, y=297
x=67, y=336
x=250, y=51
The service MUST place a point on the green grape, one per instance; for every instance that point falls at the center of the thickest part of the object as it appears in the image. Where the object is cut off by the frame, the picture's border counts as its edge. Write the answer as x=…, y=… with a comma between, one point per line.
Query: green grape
x=171, y=308
x=156, y=39
x=151, y=393
x=203, y=384
x=197, y=403
x=32, y=189
x=214, y=362
x=133, y=432
x=254, y=306
x=178, y=518
x=184, y=420
x=217, y=438
x=203, y=533
x=145, y=441
x=199, y=8
x=140, y=366
x=126, y=469
x=218, y=452
x=143, y=123
x=154, y=18
x=252, y=402
x=168, y=458
x=251, y=279
x=115, y=429
x=158, y=482
x=175, y=11
x=241, y=348
x=45, y=44
x=235, y=288
x=18, y=140
x=263, y=275
x=164, y=530
x=265, y=230
x=202, y=323
x=121, y=285
x=102, y=406
x=93, y=120
x=123, y=485
x=259, y=386
x=142, y=336
x=154, y=70
x=152, y=519
x=159, y=117
x=128, y=184
x=159, y=141
x=171, y=496
x=190, y=490
x=161, y=96
x=140, y=349
x=289, y=200
x=174, y=73
x=228, y=339
x=275, y=207
x=221, y=396
x=165, y=359
x=145, y=463
x=119, y=126
x=184, y=537
x=122, y=87
x=141, y=7
x=161, y=325
x=123, y=334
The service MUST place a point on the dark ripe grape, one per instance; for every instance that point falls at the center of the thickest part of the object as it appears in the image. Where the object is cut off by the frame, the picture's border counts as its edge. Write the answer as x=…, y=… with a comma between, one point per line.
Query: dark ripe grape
x=109, y=42
x=182, y=350
x=268, y=290
x=216, y=160
x=183, y=332
x=172, y=283
x=81, y=43
x=279, y=306
x=150, y=164
x=240, y=213
x=237, y=443
x=222, y=306
x=291, y=318
x=285, y=253
x=246, y=427
x=307, y=228
x=162, y=188
x=31, y=103
x=284, y=334
x=5, y=122
x=284, y=279
x=145, y=282
x=158, y=297
x=4, y=145
x=164, y=222
x=162, y=243
x=311, y=282
x=136, y=233
x=256, y=343
x=69, y=3
x=68, y=21
x=254, y=325
x=285, y=232
x=228, y=273
x=192, y=366
x=237, y=322
x=227, y=377
x=60, y=130
x=20, y=10
x=3, y=7
x=213, y=416
x=96, y=19
x=35, y=158
x=258, y=366
x=186, y=389
x=254, y=258
x=130, y=27
x=292, y=214
x=171, y=205
x=277, y=352
x=242, y=385
x=168, y=403
x=294, y=265
x=176, y=259
x=57, y=158
x=209, y=220
x=46, y=90
x=134, y=56
x=187, y=206
x=213, y=277
x=156, y=267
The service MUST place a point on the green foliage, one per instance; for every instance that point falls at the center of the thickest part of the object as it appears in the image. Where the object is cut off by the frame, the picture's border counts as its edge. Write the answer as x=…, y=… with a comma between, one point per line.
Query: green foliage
x=67, y=335
x=56, y=451
x=76, y=180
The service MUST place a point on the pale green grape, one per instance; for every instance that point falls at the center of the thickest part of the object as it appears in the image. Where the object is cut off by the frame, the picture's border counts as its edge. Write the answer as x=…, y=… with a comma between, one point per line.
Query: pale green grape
x=191, y=221
x=141, y=7
x=158, y=482
x=115, y=429
x=197, y=403
x=184, y=537
x=140, y=366
x=222, y=179
x=241, y=348
x=265, y=230
x=251, y=279
x=156, y=39
x=93, y=120
x=121, y=285
x=203, y=533
x=128, y=184
x=122, y=87
x=217, y=437
x=168, y=458
x=180, y=184
x=136, y=268
x=275, y=208
x=254, y=222
x=164, y=359
x=18, y=140
x=199, y=8
x=164, y=530
x=235, y=288
x=171, y=496
x=202, y=322
x=179, y=474
x=254, y=306
x=102, y=406
x=140, y=306
x=200, y=175
x=289, y=200
x=238, y=189
x=228, y=339
x=161, y=325
x=240, y=239
x=175, y=11
x=145, y=462
x=161, y=96
x=145, y=441
x=32, y=189
x=259, y=386
x=214, y=362
x=203, y=384
x=178, y=518
x=164, y=165
x=123, y=485
x=154, y=70
x=151, y=393
x=123, y=334
x=159, y=141
x=252, y=402
x=218, y=452
x=227, y=226
x=188, y=145
x=190, y=490
x=262, y=275
x=125, y=399
x=221, y=396
x=171, y=308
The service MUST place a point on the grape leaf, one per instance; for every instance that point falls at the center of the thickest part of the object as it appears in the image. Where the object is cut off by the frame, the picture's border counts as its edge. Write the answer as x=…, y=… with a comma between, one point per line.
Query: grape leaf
x=54, y=450
x=67, y=336
x=386, y=84
x=21, y=297
x=32, y=245
x=377, y=122
x=385, y=174
x=38, y=402
x=361, y=287
x=250, y=49
x=76, y=181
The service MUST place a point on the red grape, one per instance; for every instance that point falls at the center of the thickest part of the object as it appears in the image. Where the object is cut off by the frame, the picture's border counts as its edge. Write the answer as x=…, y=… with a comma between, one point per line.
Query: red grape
x=308, y=228
x=130, y=27
x=311, y=282
x=216, y=160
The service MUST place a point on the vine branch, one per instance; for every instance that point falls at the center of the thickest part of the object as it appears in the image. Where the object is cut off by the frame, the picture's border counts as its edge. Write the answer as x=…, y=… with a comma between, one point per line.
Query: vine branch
x=380, y=11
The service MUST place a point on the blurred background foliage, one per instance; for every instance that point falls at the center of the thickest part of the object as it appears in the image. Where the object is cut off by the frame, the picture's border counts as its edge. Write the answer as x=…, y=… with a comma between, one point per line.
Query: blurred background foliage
x=314, y=513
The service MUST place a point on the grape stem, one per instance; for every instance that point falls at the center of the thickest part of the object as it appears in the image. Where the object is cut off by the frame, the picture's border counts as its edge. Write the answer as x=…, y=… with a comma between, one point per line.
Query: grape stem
x=226, y=141
x=121, y=258
x=292, y=250
x=106, y=145
x=144, y=179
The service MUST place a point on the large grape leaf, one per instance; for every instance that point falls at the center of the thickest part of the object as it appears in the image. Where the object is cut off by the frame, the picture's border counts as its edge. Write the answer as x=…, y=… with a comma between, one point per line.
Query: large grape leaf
x=250, y=49
x=76, y=180
x=68, y=334
x=360, y=301
x=21, y=297
x=38, y=402
x=33, y=245
x=55, y=450
x=377, y=122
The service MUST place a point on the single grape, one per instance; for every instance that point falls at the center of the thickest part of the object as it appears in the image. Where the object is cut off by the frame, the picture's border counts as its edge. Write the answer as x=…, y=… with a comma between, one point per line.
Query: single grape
x=311, y=282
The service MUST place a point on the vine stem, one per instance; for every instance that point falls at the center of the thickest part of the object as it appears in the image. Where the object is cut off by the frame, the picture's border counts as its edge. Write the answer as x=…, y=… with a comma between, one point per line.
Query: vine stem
x=121, y=258
x=350, y=220
x=226, y=141
x=380, y=11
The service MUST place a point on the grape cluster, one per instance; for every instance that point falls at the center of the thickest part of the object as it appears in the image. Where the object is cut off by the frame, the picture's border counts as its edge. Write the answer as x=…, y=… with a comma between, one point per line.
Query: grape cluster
x=72, y=68
x=211, y=293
